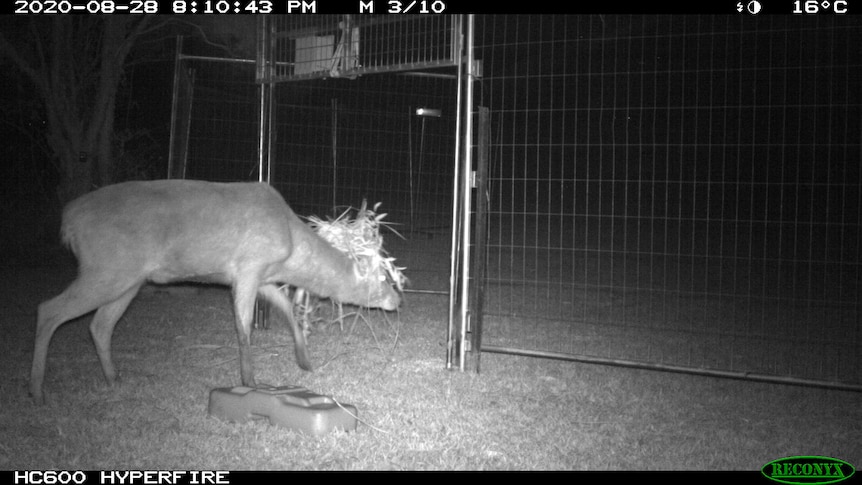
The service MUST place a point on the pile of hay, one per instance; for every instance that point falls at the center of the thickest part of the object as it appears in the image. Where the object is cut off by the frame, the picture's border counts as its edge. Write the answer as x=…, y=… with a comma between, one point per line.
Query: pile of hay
x=360, y=239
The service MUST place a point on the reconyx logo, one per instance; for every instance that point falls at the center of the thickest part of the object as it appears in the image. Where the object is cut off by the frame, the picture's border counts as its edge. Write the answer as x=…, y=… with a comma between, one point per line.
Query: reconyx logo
x=807, y=470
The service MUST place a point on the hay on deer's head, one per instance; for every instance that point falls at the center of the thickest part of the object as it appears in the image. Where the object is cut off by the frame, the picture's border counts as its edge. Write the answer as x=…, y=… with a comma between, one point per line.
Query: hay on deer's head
x=361, y=240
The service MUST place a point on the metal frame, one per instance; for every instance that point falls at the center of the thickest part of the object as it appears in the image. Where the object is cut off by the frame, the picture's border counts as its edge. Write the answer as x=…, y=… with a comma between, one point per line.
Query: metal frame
x=276, y=66
x=466, y=305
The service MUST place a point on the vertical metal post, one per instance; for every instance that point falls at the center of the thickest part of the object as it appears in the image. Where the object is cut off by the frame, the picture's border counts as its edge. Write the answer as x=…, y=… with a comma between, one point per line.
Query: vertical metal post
x=265, y=122
x=455, y=257
x=181, y=110
x=460, y=266
x=334, y=156
x=477, y=288
x=467, y=188
x=410, y=163
x=176, y=88
x=264, y=79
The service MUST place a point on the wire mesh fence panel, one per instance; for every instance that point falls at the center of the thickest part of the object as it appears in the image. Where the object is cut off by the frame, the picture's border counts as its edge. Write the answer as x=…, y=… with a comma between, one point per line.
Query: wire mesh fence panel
x=369, y=115
x=222, y=129
x=365, y=131
x=343, y=141
x=681, y=191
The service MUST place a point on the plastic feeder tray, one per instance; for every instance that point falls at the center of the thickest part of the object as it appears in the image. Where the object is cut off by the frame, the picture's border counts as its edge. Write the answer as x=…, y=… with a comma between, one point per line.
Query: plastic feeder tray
x=293, y=407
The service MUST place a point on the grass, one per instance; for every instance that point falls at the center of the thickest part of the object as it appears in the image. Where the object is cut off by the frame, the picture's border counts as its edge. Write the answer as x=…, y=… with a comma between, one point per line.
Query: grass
x=172, y=348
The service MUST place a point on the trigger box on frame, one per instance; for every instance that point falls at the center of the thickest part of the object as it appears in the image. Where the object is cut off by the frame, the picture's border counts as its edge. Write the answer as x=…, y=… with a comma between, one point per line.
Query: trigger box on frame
x=292, y=407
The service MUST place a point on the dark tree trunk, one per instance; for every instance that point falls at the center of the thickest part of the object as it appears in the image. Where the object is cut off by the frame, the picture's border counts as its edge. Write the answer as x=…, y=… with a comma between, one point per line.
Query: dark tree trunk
x=76, y=63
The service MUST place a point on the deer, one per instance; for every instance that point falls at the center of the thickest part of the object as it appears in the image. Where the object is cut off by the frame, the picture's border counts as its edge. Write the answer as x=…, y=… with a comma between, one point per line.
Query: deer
x=242, y=235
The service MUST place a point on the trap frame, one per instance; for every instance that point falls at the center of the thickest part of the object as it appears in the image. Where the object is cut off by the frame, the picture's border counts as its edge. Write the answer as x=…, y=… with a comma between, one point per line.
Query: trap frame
x=672, y=193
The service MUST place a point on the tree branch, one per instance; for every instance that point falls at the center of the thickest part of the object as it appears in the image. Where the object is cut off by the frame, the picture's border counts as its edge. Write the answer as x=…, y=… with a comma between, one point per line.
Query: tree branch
x=9, y=51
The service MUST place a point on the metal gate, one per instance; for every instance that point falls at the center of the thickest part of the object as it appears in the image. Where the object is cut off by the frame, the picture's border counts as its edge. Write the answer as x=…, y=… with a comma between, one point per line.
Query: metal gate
x=331, y=110
x=365, y=107
x=677, y=193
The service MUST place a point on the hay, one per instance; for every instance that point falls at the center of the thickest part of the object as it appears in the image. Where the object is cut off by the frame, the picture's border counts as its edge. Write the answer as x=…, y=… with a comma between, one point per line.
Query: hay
x=361, y=240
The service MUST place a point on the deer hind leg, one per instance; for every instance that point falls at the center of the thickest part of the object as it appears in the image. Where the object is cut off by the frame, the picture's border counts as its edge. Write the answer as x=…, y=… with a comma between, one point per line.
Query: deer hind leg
x=84, y=295
x=102, y=328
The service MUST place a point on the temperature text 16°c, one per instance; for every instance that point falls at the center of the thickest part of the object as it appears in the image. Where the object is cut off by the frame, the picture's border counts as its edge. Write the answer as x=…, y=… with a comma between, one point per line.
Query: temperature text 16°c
x=819, y=6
